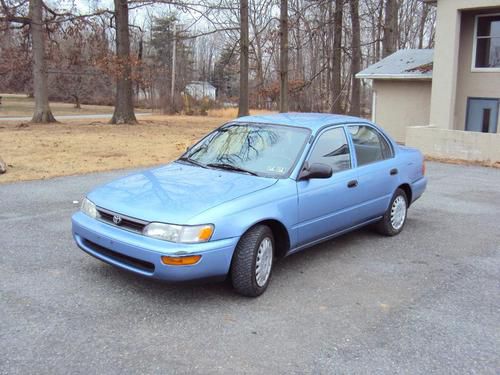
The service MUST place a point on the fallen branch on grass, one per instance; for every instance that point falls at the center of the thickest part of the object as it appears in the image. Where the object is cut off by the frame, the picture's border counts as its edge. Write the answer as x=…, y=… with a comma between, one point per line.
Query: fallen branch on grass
x=3, y=166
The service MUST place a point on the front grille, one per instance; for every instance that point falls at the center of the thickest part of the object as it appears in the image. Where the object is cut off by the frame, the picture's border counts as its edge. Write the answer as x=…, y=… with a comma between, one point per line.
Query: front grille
x=127, y=223
x=120, y=258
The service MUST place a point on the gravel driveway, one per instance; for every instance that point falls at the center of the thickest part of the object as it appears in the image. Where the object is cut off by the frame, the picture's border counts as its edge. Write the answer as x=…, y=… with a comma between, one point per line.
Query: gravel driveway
x=426, y=301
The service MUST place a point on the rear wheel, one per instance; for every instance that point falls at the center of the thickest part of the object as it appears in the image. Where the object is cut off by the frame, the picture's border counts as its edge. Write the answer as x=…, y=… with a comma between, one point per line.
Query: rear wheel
x=394, y=218
x=253, y=261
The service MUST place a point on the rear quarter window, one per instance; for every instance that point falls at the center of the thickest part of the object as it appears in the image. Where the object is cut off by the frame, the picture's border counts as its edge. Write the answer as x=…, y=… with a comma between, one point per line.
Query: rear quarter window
x=370, y=145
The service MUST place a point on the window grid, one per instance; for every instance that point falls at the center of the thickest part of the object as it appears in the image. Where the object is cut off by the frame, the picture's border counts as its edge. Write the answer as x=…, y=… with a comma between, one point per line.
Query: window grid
x=475, y=49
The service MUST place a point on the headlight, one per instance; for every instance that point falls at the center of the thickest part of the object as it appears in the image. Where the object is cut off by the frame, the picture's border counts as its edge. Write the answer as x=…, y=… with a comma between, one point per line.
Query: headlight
x=179, y=233
x=89, y=208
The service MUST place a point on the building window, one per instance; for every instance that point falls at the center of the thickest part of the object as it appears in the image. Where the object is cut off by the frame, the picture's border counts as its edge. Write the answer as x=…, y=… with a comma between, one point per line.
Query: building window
x=482, y=115
x=487, y=42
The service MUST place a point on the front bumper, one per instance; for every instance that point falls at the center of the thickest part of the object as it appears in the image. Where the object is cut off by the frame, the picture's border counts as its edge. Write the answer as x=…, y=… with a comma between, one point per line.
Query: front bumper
x=142, y=255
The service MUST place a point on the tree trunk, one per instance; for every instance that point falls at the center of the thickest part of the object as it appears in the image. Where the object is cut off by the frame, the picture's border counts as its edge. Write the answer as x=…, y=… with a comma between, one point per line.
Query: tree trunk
x=299, y=54
x=77, y=101
x=42, y=113
x=141, y=71
x=355, y=109
x=390, y=41
x=124, y=101
x=284, y=56
x=337, y=58
x=329, y=55
x=244, y=43
x=380, y=18
x=421, y=26
x=174, y=63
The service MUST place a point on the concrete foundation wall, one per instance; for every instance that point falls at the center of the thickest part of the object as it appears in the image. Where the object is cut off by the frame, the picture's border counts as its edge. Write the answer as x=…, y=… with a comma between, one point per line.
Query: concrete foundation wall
x=401, y=103
x=455, y=144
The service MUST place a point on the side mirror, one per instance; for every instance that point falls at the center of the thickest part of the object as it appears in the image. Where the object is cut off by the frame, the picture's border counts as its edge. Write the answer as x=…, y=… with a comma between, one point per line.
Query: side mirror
x=315, y=170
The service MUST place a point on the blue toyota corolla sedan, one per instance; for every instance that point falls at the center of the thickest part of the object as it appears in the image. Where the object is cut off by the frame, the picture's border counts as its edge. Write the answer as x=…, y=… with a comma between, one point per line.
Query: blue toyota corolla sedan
x=255, y=189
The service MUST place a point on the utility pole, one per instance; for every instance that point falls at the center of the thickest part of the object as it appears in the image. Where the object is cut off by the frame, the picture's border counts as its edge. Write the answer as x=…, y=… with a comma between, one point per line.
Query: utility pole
x=172, y=88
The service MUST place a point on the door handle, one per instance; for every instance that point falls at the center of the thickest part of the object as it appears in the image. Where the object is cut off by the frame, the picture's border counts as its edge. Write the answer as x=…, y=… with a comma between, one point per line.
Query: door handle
x=352, y=184
x=394, y=171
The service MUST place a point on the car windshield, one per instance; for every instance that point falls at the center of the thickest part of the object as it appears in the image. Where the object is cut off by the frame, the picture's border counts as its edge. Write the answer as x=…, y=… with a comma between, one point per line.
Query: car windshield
x=263, y=150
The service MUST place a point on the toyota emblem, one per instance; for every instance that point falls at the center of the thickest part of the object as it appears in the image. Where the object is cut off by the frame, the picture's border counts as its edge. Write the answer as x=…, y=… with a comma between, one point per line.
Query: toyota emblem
x=117, y=220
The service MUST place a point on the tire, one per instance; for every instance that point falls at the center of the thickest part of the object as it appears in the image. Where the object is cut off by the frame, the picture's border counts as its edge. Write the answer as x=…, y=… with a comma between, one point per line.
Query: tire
x=252, y=253
x=394, y=220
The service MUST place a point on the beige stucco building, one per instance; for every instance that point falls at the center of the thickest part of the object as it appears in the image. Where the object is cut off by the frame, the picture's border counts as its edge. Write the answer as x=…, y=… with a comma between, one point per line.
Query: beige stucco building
x=401, y=90
x=465, y=95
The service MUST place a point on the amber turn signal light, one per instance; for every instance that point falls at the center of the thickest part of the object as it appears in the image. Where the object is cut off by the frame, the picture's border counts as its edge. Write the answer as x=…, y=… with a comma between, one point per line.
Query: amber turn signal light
x=181, y=261
x=205, y=233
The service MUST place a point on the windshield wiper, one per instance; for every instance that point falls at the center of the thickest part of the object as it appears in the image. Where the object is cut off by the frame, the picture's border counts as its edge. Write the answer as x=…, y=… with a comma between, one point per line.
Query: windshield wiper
x=231, y=167
x=192, y=161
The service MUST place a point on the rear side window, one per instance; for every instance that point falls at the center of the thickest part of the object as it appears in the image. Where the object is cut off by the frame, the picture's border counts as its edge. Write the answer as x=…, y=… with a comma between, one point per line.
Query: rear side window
x=370, y=146
x=332, y=149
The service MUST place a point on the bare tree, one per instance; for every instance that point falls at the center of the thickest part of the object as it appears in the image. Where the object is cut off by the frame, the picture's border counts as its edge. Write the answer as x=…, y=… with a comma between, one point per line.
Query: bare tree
x=284, y=56
x=243, y=99
x=324, y=51
x=34, y=20
x=390, y=42
x=124, y=102
x=336, y=86
x=421, y=26
x=355, y=109
x=41, y=91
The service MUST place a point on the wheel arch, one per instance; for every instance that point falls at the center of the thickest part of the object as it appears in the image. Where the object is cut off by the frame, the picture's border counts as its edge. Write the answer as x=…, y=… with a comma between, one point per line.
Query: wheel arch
x=407, y=189
x=280, y=233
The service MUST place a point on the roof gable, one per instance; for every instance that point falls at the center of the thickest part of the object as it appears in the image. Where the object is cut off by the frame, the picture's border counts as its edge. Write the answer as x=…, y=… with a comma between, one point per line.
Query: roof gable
x=403, y=64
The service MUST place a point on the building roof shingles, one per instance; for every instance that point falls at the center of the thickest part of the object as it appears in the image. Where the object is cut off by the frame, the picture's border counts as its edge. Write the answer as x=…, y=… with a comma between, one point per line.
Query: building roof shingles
x=403, y=64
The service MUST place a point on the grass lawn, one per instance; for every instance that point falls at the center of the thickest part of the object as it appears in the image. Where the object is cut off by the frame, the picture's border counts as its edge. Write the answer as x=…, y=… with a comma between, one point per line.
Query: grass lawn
x=38, y=151
x=21, y=105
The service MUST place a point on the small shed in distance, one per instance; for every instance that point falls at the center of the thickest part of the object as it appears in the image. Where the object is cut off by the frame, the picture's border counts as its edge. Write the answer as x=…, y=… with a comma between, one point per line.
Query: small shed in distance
x=201, y=89
x=402, y=86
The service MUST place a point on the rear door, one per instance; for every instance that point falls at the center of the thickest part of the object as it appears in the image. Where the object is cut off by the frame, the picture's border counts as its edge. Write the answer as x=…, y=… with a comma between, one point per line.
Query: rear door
x=377, y=170
x=325, y=205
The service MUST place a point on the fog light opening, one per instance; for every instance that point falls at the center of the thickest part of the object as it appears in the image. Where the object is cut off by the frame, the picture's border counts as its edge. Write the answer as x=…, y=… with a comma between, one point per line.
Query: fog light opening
x=181, y=261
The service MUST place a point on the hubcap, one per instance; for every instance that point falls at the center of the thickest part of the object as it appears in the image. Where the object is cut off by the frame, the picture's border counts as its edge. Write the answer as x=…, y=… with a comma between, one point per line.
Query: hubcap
x=398, y=212
x=264, y=261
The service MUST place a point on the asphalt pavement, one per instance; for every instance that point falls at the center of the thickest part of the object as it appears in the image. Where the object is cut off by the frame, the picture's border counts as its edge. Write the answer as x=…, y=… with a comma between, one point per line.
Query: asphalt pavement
x=426, y=301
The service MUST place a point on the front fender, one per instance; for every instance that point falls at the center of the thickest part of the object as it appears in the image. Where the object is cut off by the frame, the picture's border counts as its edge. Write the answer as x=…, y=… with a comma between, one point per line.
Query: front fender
x=277, y=202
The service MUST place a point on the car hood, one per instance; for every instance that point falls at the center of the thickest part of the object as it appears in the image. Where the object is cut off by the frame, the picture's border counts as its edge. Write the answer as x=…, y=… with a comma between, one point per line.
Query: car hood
x=174, y=193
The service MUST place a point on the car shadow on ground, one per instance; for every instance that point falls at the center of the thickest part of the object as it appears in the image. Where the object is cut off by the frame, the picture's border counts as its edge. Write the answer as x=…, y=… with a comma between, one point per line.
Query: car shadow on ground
x=285, y=268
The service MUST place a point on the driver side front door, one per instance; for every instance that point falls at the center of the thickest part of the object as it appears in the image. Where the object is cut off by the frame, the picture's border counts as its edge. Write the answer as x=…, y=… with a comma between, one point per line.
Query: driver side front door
x=326, y=206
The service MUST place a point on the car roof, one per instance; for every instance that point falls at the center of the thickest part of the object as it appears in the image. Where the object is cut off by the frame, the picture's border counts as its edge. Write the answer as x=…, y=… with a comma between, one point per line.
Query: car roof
x=313, y=121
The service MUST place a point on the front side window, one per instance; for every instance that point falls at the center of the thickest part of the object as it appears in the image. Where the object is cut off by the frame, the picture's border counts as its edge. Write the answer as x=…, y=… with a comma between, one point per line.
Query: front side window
x=264, y=150
x=332, y=149
x=370, y=146
x=487, y=42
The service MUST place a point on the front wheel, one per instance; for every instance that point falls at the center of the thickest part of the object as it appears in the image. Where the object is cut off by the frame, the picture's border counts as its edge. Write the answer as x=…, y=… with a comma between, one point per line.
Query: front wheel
x=395, y=217
x=253, y=261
